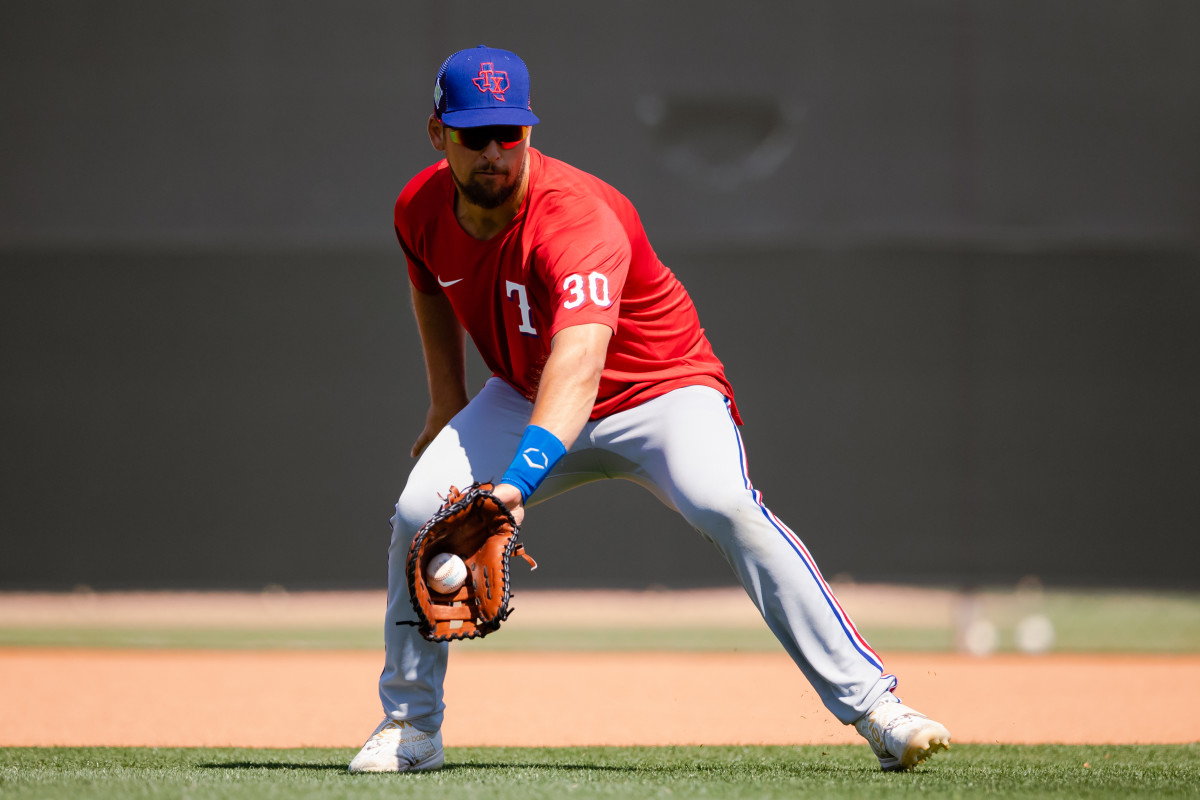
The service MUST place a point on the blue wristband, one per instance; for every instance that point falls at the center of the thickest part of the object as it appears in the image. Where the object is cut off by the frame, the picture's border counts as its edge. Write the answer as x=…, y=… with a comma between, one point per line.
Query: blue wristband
x=537, y=454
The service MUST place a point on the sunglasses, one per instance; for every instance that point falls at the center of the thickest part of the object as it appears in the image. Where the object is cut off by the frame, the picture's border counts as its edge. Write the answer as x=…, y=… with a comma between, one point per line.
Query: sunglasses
x=507, y=136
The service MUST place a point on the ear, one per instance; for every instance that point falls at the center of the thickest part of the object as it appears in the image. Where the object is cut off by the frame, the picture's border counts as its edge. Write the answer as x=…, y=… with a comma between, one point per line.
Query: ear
x=437, y=133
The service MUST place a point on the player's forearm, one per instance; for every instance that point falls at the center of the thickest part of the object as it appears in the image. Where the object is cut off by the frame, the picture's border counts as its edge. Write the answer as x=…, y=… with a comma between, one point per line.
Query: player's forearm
x=570, y=381
x=443, y=345
x=565, y=397
x=445, y=372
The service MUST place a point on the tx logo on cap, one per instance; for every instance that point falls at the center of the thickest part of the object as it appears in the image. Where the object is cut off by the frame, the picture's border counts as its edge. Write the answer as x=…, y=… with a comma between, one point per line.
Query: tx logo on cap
x=491, y=80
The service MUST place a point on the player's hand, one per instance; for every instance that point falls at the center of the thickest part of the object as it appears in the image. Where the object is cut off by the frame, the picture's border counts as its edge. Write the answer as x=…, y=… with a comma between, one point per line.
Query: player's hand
x=511, y=497
x=435, y=419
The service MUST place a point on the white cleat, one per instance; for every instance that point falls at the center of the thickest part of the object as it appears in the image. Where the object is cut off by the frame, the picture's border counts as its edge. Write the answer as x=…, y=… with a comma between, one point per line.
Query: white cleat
x=396, y=746
x=900, y=736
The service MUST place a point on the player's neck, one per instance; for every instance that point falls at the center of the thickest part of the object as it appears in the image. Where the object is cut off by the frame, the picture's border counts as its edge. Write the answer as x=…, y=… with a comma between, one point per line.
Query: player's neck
x=484, y=223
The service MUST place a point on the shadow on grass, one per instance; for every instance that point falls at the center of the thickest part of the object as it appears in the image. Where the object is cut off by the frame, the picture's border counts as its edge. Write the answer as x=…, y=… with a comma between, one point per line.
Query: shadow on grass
x=536, y=765
x=449, y=767
x=798, y=769
x=270, y=765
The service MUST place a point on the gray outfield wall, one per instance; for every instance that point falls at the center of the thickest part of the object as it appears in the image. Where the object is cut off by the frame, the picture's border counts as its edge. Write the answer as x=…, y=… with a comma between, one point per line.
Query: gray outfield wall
x=243, y=419
x=949, y=252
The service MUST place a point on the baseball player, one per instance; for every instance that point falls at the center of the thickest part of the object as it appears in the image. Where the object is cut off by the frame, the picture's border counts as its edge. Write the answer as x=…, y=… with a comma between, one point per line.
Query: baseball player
x=600, y=370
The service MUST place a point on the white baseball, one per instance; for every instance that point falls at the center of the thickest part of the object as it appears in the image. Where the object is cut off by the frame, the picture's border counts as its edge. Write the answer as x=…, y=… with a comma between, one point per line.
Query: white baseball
x=446, y=573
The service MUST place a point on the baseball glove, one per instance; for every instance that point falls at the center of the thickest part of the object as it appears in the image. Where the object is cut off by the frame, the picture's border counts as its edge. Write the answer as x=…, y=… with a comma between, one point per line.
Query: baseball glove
x=479, y=529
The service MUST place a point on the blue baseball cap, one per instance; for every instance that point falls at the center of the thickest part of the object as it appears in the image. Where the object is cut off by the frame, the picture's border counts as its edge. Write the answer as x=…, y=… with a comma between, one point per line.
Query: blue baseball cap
x=483, y=86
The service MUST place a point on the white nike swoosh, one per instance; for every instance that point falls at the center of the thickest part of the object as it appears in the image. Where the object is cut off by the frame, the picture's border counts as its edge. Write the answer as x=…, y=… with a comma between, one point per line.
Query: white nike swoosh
x=447, y=283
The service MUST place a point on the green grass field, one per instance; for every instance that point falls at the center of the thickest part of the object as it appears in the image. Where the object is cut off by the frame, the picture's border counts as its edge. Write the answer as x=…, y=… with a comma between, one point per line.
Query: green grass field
x=967, y=771
x=1084, y=622
x=1091, y=622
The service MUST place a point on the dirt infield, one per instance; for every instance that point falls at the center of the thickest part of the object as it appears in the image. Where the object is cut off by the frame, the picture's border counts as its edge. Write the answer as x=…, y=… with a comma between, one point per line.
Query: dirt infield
x=280, y=698
x=323, y=698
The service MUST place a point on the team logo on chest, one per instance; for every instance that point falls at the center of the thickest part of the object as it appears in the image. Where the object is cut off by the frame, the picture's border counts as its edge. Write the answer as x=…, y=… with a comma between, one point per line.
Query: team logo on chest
x=492, y=80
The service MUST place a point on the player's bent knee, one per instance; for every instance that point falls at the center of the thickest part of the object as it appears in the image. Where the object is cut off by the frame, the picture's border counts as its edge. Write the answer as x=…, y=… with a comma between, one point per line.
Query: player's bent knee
x=739, y=526
x=719, y=516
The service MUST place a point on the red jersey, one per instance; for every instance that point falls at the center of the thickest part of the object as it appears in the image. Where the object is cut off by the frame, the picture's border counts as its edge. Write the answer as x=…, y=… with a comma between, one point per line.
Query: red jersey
x=575, y=253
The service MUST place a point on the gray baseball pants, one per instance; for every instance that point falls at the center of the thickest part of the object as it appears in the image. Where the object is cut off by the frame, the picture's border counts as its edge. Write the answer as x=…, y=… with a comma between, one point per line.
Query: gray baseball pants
x=685, y=448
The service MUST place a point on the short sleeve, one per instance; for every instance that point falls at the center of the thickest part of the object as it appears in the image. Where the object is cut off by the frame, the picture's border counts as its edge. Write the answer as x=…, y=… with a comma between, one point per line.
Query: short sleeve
x=411, y=219
x=418, y=273
x=584, y=263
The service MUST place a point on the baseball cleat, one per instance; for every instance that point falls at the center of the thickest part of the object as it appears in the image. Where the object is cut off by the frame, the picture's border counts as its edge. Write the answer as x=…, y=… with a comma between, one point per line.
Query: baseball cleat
x=900, y=736
x=396, y=746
